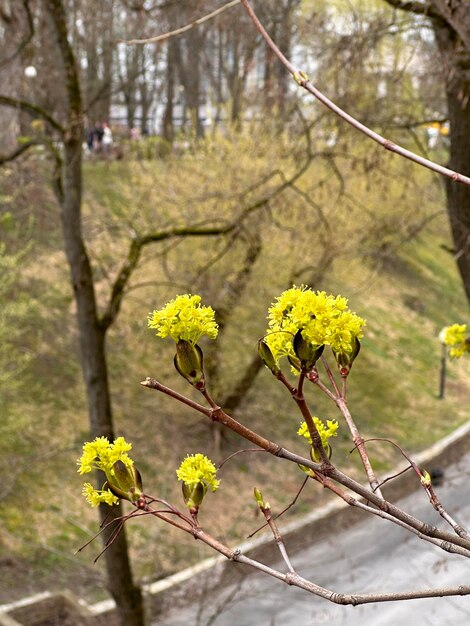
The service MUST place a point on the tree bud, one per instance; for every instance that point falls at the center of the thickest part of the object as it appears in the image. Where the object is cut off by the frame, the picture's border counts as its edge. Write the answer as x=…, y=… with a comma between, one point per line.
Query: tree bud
x=307, y=353
x=266, y=356
x=124, y=481
x=425, y=478
x=188, y=362
x=315, y=455
x=346, y=359
x=259, y=499
x=193, y=494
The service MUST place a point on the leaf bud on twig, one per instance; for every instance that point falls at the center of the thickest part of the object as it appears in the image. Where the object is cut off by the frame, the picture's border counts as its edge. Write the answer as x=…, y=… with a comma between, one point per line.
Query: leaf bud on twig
x=189, y=363
x=124, y=481
x=267, y=357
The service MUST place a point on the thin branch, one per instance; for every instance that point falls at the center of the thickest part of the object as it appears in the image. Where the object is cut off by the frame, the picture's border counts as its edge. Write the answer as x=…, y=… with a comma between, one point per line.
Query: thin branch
x=27, y=38
x=444, y=545
x=328, y=470
x=183, y=29
x=133, y=256
x=289, y=506
x=303, y=81
x=294, y=579
x=360, y=445
x=433, y=499
x=277, y=536
x=220, y=465
x=24, y=147
x=32, y=109
x=217, y=415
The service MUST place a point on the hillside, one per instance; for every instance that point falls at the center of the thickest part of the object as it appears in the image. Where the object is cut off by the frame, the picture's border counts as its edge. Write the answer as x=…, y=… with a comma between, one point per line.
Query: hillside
x=390, y=259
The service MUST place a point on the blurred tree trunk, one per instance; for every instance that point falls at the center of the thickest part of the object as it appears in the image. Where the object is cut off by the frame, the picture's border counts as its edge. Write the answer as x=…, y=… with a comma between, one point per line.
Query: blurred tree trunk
x=12, y=21
x=286, y=14
x=456, y=56
x=98, y=46
x=188, y=60
x=168, y=122
x=451, y=23
x=68, y=189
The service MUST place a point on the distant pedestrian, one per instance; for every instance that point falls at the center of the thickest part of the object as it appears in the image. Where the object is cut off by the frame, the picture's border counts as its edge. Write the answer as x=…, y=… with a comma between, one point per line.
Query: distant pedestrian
x=89, y=139
x=107, y=139
x=135, y=135
x=98, y=133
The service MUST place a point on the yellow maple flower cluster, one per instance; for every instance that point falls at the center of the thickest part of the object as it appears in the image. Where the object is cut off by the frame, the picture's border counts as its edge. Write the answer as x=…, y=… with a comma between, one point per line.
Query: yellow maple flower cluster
x=184, y=318
x=324, y=319
x=197, y=468
x=325, y=432
x=456, y=337
x=101, y=454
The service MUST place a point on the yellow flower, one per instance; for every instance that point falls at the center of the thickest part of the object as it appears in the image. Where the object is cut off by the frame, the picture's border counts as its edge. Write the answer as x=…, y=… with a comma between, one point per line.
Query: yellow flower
x=322, y=318
x=183, y=318
x=101, y=454
x=456, y=337
x=325, y=432
x=96, y=496
x=197, y=468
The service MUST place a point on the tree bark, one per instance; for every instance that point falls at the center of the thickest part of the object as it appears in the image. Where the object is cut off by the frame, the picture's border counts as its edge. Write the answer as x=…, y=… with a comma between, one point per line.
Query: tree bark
x=91, y=332
x=456, y=57
x=167, y=121
x=451, y=23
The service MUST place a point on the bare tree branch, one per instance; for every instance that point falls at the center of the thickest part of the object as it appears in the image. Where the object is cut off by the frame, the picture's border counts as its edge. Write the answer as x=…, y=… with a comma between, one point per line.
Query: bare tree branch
x=26, y=39
x=185, y=28
x=303, y=81
x=32, y=109
x=133, y=256
x=24, y=147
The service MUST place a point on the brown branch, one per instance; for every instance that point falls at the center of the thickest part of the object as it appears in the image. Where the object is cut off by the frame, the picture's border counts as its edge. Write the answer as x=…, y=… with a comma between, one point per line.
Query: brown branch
x=303, y=81
x=294, y=579
x=133, y=256
x=24, y=147
x=26, y=39
x=183, y=29
x=444, y=545
x=218, y=415
x=32, y=109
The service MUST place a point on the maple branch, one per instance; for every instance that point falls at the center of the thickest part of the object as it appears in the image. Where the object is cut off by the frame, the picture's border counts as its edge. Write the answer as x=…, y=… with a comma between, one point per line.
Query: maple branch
x=183, y=29
x=303, y=81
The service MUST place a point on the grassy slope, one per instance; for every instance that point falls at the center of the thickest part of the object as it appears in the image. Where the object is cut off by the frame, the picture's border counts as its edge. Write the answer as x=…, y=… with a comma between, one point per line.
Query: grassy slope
x=392, y=391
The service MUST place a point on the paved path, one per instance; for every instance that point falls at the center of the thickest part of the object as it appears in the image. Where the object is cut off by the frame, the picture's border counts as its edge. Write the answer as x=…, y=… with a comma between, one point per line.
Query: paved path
x=371, y=556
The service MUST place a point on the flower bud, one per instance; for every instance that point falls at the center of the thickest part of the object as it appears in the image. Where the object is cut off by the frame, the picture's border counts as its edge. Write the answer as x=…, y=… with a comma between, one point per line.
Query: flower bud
x=307, y=353
x=315, y=455
x=188, y=362
x=346, y=359
x=124, y=481
x=259, y=499
x=307, y=470
x=193, y=494
x=266, y=356
x=425, y=478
